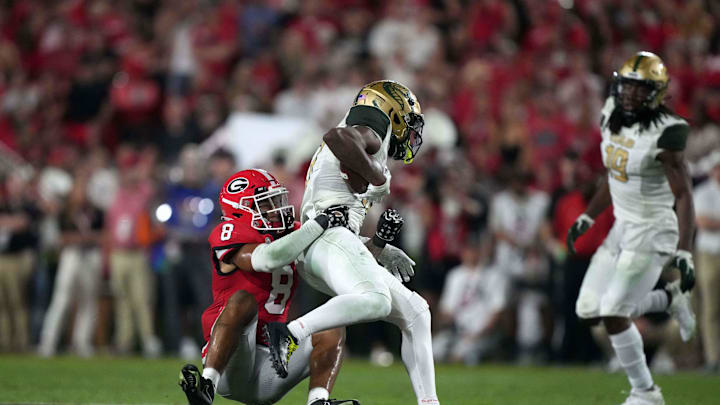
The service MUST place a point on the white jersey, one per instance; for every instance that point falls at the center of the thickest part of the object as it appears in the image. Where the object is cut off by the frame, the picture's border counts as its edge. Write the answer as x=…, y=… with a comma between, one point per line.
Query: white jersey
x=325, y=187
x=638, y=185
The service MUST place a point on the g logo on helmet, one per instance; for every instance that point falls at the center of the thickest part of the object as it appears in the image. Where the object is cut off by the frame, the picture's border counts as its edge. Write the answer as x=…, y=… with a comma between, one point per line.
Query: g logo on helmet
x=238, y=185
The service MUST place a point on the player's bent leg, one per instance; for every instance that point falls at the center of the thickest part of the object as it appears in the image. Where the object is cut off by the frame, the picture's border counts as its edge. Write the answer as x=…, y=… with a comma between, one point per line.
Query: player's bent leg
x=340, y=265
x=339, y=311
x=237, y=380
x=654, y=301
x=595, y=282
x=235, y=327
x=320, y=357
x=239, y=312
x=410, y=312
x=635, y=276
x=628, y=346
x=326, y=358
x=325, y=361
x=265, y=387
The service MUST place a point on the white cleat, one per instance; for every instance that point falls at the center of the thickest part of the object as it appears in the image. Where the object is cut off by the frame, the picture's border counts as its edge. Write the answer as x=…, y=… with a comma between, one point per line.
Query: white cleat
x=681, y=309
x=643, y=397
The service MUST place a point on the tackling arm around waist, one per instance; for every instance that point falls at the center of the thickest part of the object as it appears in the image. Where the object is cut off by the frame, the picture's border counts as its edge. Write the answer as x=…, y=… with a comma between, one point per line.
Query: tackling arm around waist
x=265, y=257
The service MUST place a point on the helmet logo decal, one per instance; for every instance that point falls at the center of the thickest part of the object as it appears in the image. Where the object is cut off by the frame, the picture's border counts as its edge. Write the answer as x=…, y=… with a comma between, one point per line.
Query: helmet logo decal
x=238, y=185
x=392, y=90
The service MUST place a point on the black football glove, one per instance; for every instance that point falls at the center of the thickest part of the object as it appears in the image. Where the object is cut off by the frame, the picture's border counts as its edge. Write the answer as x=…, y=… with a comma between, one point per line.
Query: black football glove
x=581, y=225
x=683, y=262
x=334, y=216
x=388, y=227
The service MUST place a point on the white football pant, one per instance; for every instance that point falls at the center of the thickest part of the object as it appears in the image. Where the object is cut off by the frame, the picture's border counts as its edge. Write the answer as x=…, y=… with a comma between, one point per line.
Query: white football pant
x=339, y=264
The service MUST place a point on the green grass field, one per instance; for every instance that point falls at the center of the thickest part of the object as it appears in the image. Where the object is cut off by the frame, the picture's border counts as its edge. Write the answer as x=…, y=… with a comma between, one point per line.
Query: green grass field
x=27, y=379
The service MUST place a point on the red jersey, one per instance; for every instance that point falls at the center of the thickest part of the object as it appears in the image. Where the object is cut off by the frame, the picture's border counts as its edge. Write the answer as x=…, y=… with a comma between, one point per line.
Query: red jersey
x=273, y=291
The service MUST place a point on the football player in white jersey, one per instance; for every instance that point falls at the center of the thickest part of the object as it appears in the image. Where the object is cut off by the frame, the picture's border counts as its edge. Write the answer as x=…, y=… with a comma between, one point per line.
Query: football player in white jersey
x=384, y=121
x=642, y=147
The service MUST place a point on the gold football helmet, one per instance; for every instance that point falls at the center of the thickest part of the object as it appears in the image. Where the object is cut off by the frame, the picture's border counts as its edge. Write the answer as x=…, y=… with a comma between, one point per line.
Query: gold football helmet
x=644, y=68
x=402, y=109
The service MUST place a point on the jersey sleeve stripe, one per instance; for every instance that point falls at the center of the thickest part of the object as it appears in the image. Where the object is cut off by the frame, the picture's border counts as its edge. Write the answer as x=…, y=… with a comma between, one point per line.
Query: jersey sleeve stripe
x=219, y=253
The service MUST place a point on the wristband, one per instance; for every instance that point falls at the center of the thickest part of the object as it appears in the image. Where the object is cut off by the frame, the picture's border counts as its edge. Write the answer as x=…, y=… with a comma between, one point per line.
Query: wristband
x=585, y=217
x=379, y=242
x=322, y=220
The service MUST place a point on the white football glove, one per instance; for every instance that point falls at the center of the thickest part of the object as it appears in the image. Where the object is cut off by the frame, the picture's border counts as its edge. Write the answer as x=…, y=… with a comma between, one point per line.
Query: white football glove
x=397, y=263
x=375, y=194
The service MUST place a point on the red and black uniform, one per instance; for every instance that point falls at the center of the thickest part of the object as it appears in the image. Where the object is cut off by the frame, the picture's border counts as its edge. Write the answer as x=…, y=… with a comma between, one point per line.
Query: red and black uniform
x=272, y=291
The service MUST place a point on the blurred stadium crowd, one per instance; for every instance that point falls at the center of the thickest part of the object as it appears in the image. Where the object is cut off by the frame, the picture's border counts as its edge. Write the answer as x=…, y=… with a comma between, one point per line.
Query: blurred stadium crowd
x=107, y=200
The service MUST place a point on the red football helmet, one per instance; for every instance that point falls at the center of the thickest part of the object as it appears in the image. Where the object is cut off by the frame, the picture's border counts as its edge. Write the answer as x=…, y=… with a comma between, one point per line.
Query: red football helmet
x=256, y=196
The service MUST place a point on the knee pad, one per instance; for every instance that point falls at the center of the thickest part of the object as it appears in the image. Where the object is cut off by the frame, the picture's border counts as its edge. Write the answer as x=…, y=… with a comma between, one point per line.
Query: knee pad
x=413, y=310
x=377, y=305
x=587, y=305
x=418, y=303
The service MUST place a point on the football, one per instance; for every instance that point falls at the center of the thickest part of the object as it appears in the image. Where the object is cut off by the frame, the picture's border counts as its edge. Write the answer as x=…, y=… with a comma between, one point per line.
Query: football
x=354, y=180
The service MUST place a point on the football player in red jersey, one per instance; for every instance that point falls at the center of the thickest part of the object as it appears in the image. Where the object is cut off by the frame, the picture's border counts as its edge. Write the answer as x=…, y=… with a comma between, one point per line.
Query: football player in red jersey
x=253, y=253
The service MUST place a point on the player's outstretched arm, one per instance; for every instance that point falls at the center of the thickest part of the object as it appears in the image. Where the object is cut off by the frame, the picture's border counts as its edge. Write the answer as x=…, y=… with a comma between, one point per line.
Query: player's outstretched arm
x=680, y=184
x=353, y=147
x=266, y=257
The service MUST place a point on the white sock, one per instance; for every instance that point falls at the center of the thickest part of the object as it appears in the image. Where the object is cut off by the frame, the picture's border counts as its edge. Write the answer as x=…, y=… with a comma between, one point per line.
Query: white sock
x=317, y=393
x=341, y=310
x=655, y=301
x=299, y=329
x=213, y=375
x=628, y=347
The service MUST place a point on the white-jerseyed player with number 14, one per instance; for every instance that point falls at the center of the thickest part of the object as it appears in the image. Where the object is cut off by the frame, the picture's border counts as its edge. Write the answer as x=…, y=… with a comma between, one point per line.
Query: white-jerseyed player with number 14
x=385, y=120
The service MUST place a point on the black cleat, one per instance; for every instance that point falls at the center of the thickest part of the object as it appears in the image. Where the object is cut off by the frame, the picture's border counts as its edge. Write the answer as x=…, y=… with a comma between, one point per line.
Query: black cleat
x=282, y=345
x=336, y=402
x=198, y=389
